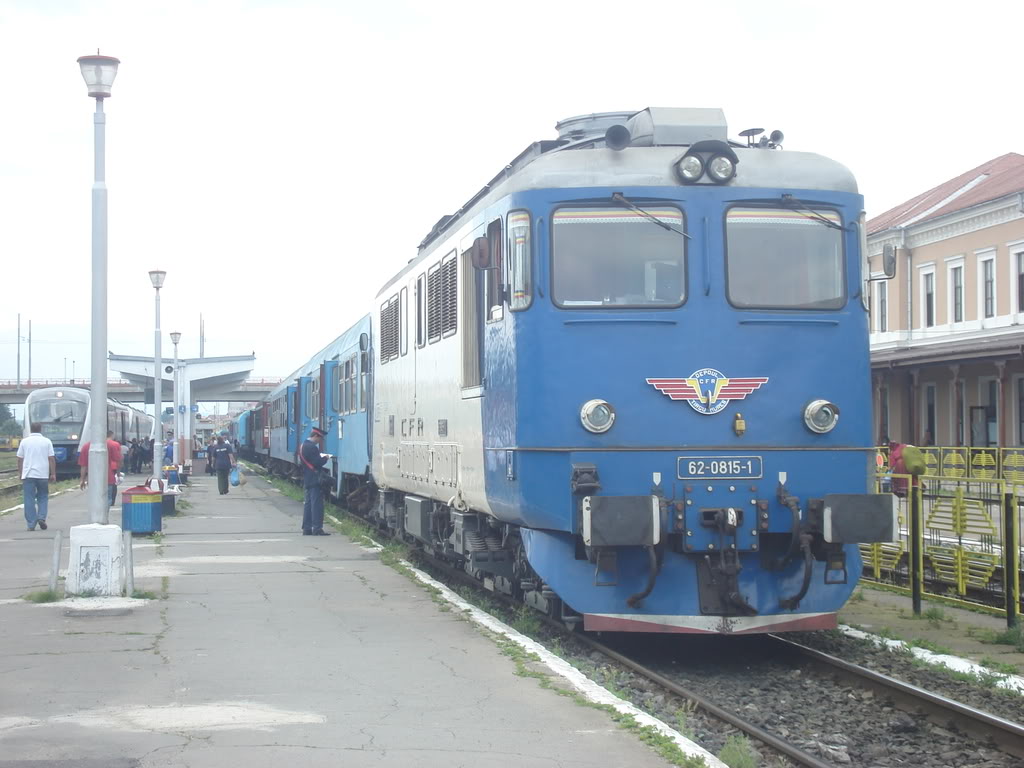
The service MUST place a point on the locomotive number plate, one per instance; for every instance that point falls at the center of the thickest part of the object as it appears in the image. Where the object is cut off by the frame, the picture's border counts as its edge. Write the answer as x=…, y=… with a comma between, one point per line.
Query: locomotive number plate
x=719, y=467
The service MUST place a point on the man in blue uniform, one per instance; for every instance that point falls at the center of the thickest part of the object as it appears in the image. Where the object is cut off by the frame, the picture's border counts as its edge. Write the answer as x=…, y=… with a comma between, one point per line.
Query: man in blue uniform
x=312, y=460
x=223, y=462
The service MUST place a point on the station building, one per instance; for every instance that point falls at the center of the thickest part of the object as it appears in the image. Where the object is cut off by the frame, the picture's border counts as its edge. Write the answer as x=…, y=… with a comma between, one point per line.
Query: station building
x=947, y=333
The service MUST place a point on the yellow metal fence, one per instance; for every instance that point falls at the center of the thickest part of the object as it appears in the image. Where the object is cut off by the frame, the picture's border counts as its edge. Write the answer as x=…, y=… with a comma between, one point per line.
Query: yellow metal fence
x=967, y=462
x=960, y=533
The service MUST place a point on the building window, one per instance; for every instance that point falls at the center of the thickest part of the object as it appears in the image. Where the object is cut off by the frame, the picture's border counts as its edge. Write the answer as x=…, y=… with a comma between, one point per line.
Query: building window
x=883, y=306
x=1019, y=259
x=929, y=415
x=928, y=305
x=1020, y=407
x=883, y=415
x=957, y=280
x=988, y=281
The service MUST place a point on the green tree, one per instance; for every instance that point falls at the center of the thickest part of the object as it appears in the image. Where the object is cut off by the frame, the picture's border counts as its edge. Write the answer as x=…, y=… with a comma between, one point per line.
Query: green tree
x=9, y=426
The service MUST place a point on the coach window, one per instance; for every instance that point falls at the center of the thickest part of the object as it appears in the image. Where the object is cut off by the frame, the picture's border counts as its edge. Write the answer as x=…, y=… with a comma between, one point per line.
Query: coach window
x=519, y=264
x=781, y=258
x=364, y=378
x=336, y=389
x=494, y=284
x=314, y=398
x=421, y=310
x=615, y=257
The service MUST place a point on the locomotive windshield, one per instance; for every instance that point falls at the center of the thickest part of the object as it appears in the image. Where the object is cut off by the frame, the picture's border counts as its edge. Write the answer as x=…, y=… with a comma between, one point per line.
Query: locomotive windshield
x=616, y=257
x=61, y=419
x=784, y=259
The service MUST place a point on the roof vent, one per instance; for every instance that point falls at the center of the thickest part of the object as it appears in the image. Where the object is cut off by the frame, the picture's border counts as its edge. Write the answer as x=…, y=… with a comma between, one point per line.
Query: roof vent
x=590, y=126
x=672, y=126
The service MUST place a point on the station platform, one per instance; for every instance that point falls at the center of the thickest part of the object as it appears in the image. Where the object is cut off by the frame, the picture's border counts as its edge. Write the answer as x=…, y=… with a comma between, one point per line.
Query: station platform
x=264, y=647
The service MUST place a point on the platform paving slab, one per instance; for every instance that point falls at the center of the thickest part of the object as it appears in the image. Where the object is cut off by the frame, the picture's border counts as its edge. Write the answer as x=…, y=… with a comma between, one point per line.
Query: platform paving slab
x=266, y=648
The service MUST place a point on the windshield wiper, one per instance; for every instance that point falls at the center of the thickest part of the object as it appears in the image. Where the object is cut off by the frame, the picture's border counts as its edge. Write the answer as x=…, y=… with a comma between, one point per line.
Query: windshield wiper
x=810, y=213
x=620, y=198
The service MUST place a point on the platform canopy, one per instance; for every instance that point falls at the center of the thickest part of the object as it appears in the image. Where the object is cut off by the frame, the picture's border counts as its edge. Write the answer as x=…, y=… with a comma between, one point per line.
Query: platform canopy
x=204, y=379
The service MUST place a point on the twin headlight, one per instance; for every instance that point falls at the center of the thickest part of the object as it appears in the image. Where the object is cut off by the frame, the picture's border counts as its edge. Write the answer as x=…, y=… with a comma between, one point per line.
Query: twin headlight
x=720, y=168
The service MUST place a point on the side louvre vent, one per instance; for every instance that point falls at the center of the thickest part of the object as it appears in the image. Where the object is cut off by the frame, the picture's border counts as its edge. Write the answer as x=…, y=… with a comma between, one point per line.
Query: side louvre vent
x=449, y=278
x=389, y=330
x=434, y=300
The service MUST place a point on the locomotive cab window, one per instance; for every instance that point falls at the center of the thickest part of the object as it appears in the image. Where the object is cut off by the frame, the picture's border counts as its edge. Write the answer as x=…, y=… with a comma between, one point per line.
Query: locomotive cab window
x=784, y=259
x=614, y=257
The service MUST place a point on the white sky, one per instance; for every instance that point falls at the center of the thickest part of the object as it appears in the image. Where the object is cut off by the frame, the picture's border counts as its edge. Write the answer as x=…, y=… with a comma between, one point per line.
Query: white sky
x=281, y=159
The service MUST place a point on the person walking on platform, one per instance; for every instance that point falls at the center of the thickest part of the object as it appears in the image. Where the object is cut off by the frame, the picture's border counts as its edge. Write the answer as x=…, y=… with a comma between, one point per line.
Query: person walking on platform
x=113, y=464
x=223, y=461
x=312, y=461
x=37, y=468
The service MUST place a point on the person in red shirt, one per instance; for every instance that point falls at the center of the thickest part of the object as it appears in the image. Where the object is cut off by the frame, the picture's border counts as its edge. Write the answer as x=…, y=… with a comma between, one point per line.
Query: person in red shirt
x=113, y=464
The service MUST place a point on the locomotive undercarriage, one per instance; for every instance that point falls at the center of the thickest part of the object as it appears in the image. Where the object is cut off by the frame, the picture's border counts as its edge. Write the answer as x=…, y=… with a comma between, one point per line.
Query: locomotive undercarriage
x=488, y=550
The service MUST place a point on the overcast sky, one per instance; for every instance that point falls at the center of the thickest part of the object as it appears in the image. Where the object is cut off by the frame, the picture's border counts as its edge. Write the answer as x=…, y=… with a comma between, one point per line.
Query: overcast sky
x=281, y=159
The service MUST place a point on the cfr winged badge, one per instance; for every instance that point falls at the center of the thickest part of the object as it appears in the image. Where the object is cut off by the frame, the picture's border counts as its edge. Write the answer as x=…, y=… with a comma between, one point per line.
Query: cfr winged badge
x=707, y=390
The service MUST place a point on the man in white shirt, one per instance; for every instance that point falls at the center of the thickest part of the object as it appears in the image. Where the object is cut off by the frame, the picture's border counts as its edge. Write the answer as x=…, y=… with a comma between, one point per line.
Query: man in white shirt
x=36, y=467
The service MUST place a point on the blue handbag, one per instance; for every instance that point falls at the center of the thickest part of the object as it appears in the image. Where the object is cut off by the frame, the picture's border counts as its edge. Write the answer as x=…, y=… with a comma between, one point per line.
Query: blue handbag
x=233, y=477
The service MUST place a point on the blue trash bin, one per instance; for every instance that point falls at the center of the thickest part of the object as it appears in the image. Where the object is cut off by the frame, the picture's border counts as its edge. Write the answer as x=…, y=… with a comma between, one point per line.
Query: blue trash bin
x=141, y=510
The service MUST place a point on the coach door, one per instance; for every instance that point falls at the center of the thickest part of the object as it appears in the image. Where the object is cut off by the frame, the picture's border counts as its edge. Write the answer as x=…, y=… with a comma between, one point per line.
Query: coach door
x=292, y=419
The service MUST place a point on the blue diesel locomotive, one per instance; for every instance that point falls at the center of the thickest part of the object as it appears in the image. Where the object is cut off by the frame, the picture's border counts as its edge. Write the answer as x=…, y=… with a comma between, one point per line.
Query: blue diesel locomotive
x=610, y=384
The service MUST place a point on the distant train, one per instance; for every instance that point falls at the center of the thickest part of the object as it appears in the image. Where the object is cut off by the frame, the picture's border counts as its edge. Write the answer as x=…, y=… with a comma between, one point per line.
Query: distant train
x=610, y=383
x=64, y=414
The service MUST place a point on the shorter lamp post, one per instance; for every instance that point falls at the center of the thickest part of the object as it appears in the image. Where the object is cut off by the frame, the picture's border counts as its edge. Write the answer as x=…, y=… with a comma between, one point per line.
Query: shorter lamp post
x=157, y=276
x=175, y=338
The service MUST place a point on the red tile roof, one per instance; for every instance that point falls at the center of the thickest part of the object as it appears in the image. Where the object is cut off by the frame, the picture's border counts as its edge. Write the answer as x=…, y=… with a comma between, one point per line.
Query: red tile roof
x=997, y=178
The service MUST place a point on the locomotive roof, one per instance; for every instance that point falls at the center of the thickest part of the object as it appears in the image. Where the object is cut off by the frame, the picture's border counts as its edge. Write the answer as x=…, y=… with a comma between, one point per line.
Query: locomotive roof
x=579, y=158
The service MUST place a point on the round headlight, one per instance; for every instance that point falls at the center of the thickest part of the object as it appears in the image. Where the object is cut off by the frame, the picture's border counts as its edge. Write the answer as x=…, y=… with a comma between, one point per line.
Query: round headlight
x=821, y=416
x=597, y=415
x=690, y=168
x=721, y=169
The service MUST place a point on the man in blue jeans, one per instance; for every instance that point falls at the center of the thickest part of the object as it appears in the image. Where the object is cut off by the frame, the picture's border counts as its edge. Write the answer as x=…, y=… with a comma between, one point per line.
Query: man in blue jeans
x=37, y=467
x=312, y=461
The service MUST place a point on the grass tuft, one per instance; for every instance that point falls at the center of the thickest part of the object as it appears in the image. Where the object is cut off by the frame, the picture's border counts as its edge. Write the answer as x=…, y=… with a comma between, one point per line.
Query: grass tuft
x=738, y=752
x=43, y=596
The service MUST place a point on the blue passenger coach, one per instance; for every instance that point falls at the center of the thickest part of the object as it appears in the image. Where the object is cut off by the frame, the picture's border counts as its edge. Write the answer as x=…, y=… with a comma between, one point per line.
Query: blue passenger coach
x=330, y=391
x=611, y=383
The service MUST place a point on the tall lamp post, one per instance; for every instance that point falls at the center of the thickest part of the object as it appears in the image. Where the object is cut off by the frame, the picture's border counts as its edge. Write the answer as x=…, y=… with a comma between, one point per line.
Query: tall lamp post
x=175, y=338
x=99, y=73
x=157, y=276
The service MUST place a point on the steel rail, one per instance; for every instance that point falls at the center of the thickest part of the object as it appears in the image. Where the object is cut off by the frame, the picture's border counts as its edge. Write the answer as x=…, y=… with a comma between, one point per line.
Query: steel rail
x=794, y=753
x=1008, y=735
x=754, y=731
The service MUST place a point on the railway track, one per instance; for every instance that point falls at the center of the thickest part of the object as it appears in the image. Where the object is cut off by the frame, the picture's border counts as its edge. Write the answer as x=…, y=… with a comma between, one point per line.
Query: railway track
x=1009, y=736
x=946, y=713
x=973, y=723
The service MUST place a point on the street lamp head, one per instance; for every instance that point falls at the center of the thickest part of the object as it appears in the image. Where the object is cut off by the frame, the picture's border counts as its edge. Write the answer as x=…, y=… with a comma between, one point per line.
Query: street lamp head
x=175, y=337
x=157, y=277
x=99, y=73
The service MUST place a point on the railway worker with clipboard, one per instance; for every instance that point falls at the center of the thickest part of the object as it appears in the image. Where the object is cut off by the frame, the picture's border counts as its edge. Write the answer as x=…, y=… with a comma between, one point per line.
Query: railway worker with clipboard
x=312, y=462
